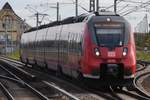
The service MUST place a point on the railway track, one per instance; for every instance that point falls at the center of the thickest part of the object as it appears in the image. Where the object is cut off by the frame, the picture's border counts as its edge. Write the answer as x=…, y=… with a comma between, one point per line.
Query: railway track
x=124, y=94
x=6, y=92
x=142, y=74
x=21, y=81
x=137, y=84
x=105, y=94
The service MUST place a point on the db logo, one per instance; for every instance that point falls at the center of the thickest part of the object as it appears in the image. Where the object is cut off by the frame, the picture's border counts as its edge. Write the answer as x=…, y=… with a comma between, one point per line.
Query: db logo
x=111, y=54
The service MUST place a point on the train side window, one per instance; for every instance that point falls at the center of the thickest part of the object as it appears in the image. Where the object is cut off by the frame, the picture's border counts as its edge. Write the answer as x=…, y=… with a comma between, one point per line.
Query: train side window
x=50, y=40
x=76, y=45
x=68, y=41
x=54, y=41
x=39, y=44
x=61, y=43
x=72, y=43
x=64, y=41
x=80, y=44
x=33, y=45
x=29, y=45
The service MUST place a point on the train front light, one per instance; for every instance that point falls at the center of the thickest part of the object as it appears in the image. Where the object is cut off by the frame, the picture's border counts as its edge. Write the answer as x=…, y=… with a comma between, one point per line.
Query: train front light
x=97, y=52
x=125, y=51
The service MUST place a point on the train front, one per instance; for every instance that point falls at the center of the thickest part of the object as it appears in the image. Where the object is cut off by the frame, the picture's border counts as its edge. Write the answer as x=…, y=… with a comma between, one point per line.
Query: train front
x=109, y=49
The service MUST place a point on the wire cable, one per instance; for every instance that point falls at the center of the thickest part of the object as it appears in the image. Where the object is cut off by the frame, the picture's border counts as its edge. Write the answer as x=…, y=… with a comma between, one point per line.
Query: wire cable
x=143, y=5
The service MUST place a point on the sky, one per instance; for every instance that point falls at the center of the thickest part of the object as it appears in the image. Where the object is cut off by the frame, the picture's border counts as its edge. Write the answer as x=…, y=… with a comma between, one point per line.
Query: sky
x=27, y=8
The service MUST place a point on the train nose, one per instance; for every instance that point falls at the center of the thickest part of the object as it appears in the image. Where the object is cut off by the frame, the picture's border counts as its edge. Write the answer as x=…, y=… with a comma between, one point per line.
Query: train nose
x=111, y=71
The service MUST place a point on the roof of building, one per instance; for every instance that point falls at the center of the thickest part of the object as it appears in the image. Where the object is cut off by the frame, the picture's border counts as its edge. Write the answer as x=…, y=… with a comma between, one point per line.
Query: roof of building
x=7, y=6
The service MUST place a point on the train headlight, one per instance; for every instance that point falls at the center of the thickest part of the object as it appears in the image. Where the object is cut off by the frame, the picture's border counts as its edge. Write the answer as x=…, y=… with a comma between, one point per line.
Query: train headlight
x=97, y=52
x=108, y=19
x=125, y=51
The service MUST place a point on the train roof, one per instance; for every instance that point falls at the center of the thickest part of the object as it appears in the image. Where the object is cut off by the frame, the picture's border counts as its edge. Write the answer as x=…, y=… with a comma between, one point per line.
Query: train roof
x=70, y=20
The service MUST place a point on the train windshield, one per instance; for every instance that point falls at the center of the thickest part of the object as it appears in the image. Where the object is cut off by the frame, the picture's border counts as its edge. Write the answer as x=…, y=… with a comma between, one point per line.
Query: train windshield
x=109, y=34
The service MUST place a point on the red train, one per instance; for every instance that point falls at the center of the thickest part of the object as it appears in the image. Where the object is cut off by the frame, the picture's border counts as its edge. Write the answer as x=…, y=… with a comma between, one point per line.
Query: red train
x=97, y=46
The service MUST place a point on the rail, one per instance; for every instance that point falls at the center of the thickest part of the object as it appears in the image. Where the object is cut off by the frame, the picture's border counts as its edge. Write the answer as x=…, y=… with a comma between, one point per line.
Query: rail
x=42, y=96
x=6, y=92
x=136, y=85
x=61, y=91
x=70, y=96
x=144, y=63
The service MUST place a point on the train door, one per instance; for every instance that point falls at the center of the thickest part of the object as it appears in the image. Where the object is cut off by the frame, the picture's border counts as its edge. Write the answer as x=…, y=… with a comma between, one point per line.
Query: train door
x=40, y=47
x=45, y=45
x=60, y=49
x=34, y=46
x=68, y=53
x=74, y=56
x=30, y=52
x=63, y=49
x=52, y=47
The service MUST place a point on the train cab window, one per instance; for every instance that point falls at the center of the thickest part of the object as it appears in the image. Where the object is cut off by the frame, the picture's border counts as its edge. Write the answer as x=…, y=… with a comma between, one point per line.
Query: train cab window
x=109, y=34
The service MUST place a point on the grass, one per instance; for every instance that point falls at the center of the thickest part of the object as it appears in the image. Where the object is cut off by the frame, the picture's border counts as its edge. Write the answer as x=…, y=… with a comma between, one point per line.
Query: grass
x=15, y=55
x=142, y=55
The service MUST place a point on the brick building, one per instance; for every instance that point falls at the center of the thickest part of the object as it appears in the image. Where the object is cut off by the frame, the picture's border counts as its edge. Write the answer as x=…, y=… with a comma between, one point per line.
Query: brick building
x=11, y=28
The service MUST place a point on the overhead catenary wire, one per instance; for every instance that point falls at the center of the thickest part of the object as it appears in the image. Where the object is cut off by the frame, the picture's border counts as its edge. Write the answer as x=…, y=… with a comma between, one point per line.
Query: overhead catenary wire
x=37, y=14
x=130, y=1
x=123, y=8
x=113, y=5
x=80, y=6
x=130, y=7
x=136, y=8
x=57, y=6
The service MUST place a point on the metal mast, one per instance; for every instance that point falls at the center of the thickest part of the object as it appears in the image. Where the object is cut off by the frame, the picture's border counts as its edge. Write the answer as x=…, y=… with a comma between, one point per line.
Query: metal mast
x=94, y=5
x=115, y=6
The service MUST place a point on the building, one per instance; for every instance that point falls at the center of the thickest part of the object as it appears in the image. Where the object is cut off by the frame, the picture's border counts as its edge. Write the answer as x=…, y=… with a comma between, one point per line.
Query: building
x=11, y=28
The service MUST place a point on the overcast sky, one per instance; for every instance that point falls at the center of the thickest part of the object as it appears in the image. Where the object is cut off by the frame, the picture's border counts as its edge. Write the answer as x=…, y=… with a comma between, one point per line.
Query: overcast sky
x=20, y=7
